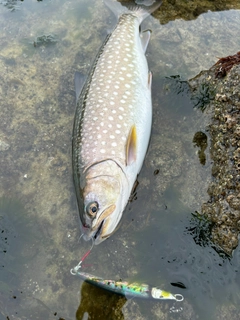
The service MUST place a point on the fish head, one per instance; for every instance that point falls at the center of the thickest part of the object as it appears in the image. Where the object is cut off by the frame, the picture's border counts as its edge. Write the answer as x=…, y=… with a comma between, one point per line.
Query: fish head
x=102, y=201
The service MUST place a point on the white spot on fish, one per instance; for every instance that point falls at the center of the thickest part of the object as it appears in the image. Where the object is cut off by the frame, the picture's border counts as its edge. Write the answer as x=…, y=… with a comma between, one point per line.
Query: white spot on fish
x=112, y=136
x=102, y=151
x=110, y=118
x=114, y=144
x=117, y=131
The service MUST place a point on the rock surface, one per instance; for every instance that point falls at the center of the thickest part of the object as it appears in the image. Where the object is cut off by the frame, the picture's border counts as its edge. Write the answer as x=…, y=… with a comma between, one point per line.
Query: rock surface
x=221, y=98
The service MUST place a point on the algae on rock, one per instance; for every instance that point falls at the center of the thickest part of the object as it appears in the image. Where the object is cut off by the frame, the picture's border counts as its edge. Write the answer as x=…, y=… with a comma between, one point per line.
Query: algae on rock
x=223, y=206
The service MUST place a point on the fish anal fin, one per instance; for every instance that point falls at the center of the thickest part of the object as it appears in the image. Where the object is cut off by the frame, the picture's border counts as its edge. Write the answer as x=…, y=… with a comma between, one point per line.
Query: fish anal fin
x=149, y=80
x=79, y=80
x=131, y=146
x=145, y=37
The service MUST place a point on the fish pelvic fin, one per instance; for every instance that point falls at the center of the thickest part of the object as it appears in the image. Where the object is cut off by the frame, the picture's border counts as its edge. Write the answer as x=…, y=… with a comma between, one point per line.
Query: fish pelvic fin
x=145, y=37
x=140, y=11
x=131, y=146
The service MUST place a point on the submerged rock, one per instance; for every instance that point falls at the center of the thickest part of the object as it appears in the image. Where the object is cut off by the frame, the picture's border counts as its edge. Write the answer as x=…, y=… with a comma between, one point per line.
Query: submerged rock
x=188, y=10
x=221, y=100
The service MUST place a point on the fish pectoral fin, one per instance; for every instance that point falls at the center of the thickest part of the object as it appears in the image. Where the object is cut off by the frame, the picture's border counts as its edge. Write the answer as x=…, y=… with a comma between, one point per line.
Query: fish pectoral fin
x=145, y=37
x=79, y=80
x=131, y=146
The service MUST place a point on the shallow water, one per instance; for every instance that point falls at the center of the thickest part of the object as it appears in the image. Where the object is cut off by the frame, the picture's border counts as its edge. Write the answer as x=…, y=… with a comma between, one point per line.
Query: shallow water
x=159, y=241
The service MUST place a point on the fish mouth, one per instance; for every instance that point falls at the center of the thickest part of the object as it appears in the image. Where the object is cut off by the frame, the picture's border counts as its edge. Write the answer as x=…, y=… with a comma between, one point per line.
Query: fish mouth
x=97, y=233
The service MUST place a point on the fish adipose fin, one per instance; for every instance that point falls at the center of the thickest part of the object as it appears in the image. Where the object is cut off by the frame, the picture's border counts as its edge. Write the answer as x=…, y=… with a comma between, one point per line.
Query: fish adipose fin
x=141, y=11
x=131, y=146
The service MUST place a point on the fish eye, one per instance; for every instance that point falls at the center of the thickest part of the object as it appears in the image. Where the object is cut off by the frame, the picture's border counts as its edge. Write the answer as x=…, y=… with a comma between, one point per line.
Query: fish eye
x=92, y=209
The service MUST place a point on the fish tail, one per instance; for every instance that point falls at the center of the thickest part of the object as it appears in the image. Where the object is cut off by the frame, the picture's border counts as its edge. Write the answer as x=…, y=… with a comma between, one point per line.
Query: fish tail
x=140, y=11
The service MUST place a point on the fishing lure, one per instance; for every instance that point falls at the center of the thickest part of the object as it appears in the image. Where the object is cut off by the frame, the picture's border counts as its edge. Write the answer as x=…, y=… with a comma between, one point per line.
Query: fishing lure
x=124, y=288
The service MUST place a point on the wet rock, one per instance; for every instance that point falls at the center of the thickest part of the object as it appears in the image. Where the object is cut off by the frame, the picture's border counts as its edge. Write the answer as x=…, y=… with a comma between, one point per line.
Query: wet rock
x=26, y=134
x=4, y=145
x=189, y=10
x=223, y=206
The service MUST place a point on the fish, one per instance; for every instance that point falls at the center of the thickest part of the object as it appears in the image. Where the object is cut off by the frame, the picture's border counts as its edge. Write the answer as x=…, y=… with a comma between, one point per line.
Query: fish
x=130, y=290
x=112, y=123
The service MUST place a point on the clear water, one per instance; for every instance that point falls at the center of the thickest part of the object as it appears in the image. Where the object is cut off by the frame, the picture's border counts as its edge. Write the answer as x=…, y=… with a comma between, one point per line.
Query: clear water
x=159, y=241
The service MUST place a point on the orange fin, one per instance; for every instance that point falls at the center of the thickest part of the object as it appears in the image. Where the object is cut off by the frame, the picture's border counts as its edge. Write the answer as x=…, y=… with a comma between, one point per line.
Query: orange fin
x=131, y=147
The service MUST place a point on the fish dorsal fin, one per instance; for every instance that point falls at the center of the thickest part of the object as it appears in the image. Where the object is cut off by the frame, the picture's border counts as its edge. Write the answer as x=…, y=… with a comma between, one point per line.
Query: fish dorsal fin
x=145, y=37
x=79, y=80
x=131, y=146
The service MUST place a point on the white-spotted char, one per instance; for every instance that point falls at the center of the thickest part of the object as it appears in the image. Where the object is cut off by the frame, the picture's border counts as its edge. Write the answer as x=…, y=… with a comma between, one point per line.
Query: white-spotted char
x=112, y=124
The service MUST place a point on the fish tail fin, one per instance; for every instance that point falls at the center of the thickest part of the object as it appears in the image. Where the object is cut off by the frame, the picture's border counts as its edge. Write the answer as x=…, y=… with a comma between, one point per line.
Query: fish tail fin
x=140, y=10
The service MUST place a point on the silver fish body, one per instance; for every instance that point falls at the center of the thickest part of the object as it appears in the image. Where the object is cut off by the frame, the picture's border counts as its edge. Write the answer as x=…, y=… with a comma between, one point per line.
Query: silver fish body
x=112, y=125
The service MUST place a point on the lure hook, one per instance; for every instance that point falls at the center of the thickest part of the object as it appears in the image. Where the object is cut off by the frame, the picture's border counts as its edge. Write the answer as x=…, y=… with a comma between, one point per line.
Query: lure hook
x=74, y=270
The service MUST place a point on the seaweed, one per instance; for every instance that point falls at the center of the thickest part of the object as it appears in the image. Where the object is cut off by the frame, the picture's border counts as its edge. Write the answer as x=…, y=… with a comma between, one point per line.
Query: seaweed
x=200, y=229
x=202, y=97
x=45, y=40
